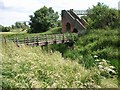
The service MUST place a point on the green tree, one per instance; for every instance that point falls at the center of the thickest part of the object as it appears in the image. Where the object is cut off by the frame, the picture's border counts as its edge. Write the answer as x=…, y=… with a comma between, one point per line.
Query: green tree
x=18, y=25
x=43, y=19
x=1, y=28
x=4, y=29
x=101, y=16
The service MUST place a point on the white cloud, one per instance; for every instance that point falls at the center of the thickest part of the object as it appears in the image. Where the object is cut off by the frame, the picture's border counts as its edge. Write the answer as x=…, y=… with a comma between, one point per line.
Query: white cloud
x=19, y=10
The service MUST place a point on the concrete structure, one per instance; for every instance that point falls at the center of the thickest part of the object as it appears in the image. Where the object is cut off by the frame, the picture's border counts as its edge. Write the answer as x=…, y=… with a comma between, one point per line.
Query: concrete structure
x=71, y=22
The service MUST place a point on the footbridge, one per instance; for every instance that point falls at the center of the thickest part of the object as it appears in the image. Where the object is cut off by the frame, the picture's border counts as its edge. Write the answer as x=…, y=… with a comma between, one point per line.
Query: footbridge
x=72, y=25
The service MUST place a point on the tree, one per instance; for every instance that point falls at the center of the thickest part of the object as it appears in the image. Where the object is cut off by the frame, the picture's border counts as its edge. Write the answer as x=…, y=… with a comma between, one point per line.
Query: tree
x=101, y=16
x=4, y=29
x=43, y=19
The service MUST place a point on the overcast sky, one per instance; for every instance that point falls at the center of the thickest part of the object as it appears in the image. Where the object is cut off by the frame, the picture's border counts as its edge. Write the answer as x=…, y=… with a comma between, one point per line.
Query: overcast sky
x=19, y=10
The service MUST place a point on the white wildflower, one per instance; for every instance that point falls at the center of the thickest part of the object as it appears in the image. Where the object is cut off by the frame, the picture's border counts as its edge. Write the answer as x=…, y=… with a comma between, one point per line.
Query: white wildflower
x=112, y=67
x=97, y=60
x=95, y=56
x=103, y=60
x=100, y=67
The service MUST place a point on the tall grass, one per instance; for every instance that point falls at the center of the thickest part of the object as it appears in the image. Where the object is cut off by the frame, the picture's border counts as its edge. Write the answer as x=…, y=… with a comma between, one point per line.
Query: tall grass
x=26, y=67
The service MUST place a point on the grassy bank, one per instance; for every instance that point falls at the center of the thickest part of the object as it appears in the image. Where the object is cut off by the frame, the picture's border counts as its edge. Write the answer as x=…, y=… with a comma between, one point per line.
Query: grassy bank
x=95, y=45
x=32, y=67
x=101, y=43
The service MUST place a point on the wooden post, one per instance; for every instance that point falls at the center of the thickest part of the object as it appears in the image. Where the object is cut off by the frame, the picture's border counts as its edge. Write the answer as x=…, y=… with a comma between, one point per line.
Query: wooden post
x=4, y=39
x=52, y=38
x=46, y=39
x=55, y=38
x=24, y=40
x=27, y=40
x=63, y=38
x=37, y=40
x=17, y=41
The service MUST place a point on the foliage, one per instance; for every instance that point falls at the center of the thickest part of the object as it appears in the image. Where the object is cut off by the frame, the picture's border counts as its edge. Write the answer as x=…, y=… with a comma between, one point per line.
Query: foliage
x=103, y=17
x=43, y=19
x=4, y=29
x=30, y=67
x=56, y=30
x=103, y=43
x=105, y=68
x=20, y=25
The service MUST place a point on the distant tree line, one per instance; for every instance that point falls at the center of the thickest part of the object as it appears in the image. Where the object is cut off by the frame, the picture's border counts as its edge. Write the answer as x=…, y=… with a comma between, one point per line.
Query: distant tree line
x=18, y=25
x=103, y=17
x=4, y=29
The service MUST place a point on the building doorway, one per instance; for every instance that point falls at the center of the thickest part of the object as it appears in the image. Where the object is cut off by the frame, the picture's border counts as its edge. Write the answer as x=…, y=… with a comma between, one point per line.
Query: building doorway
x=68, y=27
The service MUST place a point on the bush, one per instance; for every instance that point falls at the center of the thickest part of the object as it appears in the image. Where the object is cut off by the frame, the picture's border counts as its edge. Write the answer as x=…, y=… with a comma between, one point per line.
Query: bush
x=5, y=29
x=103, y=17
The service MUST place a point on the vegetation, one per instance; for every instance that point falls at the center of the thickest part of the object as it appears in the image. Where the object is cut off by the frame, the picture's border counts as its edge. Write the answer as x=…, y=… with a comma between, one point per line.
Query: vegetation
x=103, y=43
x=56, y=30
x=31, y=67
x=103, y=17
x=19, y=25
x=100, y=43
x=43, y=19
x=4, y=29
x=91, y=62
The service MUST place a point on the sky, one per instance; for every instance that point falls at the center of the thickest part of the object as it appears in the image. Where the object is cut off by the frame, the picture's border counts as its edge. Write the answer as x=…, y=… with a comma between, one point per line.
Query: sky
x=12, y=11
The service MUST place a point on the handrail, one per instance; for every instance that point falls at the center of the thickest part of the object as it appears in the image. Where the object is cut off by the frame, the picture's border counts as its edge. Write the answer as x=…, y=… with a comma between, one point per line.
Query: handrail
x=44, y=40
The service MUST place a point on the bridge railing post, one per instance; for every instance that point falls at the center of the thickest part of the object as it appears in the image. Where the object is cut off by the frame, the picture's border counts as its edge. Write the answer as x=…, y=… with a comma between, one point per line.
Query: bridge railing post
x=46, y=37
x=63, y=37
x=33, y=39
x=55, y=38
x=17, y=41
x=14, y=40
x=4, y=40
x=37, y=40
x=27, y=40
x=24, y=40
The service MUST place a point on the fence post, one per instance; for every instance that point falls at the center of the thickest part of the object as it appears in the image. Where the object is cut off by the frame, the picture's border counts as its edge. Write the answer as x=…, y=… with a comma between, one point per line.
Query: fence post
x=37, y=40
x=24, y=40
x=17, y=41
x=46, y=39
x=55, y=39
x=63, y=38
x=4, y=40
x=27, y=40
